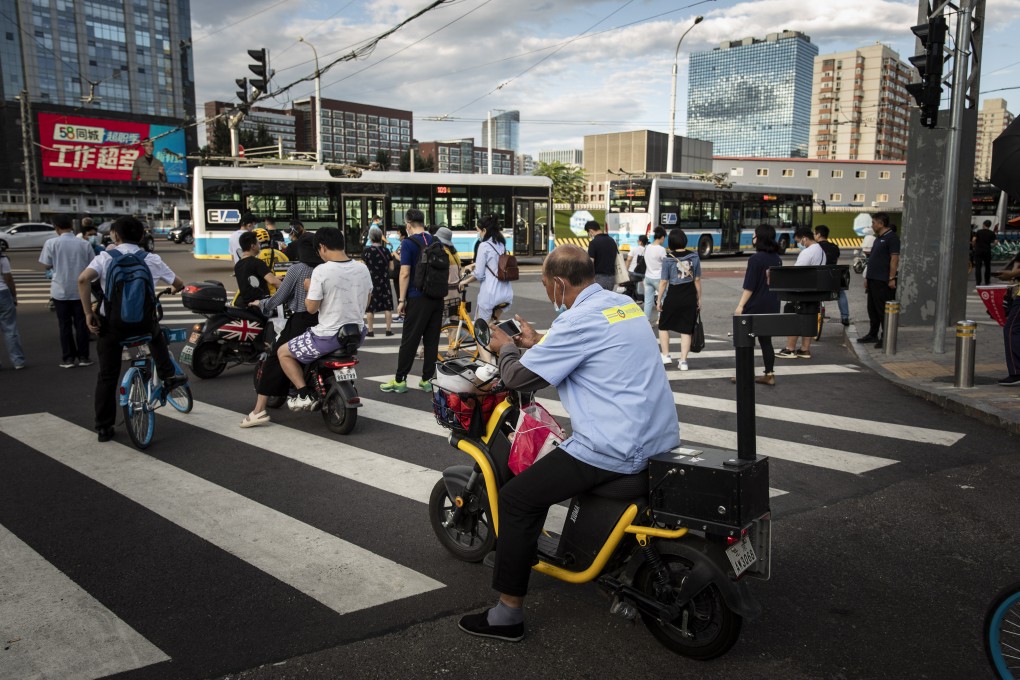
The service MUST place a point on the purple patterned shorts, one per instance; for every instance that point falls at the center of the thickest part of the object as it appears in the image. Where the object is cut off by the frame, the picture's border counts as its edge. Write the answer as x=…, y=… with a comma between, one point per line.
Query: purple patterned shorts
x=308, y=346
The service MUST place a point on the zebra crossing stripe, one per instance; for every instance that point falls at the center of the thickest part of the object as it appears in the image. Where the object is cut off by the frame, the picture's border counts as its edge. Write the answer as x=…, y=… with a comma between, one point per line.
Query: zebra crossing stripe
x=781, y=370
x=337, y=573
x=55, y=629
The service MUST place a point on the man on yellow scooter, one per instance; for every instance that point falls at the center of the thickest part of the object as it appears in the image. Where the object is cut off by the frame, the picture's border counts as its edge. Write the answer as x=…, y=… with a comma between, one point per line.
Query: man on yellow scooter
x=606, y=367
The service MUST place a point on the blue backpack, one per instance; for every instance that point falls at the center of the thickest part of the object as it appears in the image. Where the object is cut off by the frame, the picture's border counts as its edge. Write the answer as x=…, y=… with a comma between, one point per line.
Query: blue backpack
x=130, y=296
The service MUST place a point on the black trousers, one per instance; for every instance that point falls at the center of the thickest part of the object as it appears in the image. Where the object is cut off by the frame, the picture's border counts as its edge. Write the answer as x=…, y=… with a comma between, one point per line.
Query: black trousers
x=983, y=261
x=423, y=319
x=274, y=382
x=879, y=293
x=768, y=354
x=108, y=350
x=523, y=504
x=74, y=332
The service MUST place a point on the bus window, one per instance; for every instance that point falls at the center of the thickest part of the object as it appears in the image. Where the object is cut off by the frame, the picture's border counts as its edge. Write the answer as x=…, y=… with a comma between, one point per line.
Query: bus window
x=787, y=215
x=629, y=198
x=690, y=215
x=710, y=214
x=315, y=209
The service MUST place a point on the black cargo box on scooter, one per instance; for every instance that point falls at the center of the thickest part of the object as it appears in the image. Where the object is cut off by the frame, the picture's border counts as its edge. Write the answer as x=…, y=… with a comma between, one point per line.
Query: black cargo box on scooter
x=708, y=489
x=205, y=297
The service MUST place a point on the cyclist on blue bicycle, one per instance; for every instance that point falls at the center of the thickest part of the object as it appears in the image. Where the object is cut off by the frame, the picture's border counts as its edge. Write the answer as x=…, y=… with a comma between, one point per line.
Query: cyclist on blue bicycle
x=127, y=233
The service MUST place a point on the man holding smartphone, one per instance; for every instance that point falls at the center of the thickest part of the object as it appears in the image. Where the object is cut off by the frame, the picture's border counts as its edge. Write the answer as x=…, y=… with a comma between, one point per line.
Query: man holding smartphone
x=605, y=365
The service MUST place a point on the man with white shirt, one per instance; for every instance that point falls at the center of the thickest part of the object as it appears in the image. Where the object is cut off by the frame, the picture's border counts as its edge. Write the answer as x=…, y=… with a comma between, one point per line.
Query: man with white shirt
x=234, y=244
x=811, y=254
x=67, y=257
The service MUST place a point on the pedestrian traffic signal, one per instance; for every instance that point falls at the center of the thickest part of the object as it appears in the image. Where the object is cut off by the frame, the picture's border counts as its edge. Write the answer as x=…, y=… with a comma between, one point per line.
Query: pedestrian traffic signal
x=929, y=64
x=261, y=69
x=243, y=92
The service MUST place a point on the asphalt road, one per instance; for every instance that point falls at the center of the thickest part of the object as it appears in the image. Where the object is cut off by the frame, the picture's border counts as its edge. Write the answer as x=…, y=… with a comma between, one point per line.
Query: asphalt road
x=290, y=552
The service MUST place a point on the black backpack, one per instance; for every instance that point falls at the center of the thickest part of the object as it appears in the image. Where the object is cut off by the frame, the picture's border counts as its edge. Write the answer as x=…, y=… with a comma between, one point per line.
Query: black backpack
x=130, y=296
x=432, y=272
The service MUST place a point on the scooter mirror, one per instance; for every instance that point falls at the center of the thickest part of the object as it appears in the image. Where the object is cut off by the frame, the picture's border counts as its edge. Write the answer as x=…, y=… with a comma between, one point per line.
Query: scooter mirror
x=482, y=332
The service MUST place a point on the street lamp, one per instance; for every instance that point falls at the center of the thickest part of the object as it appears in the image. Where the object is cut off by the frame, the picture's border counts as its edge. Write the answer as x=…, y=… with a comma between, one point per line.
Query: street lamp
x=672, y=97
x=318, y=104
x=412, y=151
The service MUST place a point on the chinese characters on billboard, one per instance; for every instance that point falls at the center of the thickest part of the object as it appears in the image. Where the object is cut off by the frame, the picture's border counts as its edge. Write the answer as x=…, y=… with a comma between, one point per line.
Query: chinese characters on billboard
x=95, y=149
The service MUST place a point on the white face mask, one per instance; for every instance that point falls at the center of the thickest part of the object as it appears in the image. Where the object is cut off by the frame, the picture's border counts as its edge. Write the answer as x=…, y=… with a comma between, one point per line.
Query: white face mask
x=562, y=306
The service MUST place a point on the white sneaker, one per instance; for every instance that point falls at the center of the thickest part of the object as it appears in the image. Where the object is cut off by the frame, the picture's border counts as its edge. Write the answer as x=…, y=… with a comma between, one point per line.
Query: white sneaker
x=300, y=403
x=666, y=360
x=682, y=364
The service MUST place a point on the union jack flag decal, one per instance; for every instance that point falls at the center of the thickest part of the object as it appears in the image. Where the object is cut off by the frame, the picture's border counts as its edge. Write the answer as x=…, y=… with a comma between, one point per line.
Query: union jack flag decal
x=242, y=330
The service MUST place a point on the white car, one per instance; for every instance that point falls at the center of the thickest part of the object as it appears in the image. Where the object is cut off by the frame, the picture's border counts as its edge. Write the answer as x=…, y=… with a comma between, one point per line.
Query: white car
x=26, y=235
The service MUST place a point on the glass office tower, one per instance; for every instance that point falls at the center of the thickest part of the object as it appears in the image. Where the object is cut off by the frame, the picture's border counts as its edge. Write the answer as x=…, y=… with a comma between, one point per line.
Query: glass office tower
x=752, y=97
x=137, y=52
x=505, y=131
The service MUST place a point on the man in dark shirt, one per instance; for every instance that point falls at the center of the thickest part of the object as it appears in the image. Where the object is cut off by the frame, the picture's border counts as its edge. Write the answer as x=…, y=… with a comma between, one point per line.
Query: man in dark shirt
x=982, y=242
x=252, y=274
x=831, y=257
x=602, y=250
x=883, y=264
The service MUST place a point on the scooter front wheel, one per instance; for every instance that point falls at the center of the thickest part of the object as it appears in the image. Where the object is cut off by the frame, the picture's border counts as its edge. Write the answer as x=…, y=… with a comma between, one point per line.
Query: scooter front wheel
x=205, y=362
x=470, y=538
x=706, y=627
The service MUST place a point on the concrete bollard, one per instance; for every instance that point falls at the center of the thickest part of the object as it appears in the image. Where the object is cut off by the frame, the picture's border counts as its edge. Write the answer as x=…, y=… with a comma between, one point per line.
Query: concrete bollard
x=966, y=339
x=892, y=320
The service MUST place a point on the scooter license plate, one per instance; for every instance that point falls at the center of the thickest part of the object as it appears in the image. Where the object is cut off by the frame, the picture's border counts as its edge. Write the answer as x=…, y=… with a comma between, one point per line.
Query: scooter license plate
x=346, y=374
x=195, y=337
x=186, y=353
x=741, y=555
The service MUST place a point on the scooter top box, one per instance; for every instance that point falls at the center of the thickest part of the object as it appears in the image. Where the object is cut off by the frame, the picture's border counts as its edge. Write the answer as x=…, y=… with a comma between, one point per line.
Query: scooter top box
x=207, y=297
x=708, y=489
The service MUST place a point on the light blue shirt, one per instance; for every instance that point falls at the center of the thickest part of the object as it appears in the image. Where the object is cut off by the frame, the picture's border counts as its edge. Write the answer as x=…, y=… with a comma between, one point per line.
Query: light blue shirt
x=604, y=361
x=68, y=257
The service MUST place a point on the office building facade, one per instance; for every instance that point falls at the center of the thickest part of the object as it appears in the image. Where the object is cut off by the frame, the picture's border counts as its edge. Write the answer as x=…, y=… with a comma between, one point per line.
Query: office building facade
x=752, y=97
x=566, y=156
x=860, y=108
x=101, y=77
x=354, y=132
x=279, y=124
x=505, y=130
x=993, y=118
x=618, y=155
x=462, y=156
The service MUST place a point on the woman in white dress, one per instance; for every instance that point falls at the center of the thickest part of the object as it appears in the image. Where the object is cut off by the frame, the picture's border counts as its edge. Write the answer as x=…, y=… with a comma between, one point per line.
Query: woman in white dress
x=492, y=293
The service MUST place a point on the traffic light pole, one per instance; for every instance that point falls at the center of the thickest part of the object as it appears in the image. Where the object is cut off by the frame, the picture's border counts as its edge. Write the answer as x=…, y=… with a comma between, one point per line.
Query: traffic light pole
x=961, y=62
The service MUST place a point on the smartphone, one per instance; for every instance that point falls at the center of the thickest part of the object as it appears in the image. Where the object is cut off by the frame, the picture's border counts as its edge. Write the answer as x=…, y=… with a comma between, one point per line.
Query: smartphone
x=510, y=327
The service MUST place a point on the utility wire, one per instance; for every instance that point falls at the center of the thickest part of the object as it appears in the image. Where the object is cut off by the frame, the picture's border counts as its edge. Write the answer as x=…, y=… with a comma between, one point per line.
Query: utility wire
x=239, y=21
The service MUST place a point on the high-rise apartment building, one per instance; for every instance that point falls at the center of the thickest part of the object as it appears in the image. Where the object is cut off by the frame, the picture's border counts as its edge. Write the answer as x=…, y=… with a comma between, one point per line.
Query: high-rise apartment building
x=992, y=120
x=505, y=130
x=280, y=124
x=131, y=51
x=752, y=97
x=462, y=156
x=352, y=132
x=567, y=156
x=860, y=107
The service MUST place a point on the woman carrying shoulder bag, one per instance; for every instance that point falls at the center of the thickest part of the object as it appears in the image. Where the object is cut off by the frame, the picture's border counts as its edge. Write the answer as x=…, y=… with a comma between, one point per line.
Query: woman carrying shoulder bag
x=492, y=291
x=679, y=295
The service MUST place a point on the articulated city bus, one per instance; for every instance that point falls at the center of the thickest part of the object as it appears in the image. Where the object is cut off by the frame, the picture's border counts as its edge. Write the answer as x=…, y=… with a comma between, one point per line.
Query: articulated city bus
x=715, y=219
x=319, y=198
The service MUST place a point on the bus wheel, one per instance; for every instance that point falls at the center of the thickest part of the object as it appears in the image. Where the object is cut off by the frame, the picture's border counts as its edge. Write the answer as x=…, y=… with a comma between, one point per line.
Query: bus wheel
x=784, y=243
x=705, y=247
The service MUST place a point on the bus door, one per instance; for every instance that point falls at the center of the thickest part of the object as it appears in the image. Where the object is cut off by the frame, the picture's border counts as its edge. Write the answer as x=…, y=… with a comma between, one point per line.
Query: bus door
x=357, y=213
x=730, y=220
x=532, y=226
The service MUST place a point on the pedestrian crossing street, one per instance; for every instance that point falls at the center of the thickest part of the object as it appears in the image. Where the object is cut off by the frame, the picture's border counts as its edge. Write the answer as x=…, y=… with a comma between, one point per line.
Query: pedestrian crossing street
x=56, y=624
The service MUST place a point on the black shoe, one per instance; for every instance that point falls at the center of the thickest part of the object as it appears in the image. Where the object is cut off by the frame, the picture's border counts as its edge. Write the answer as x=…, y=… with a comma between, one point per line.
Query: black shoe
x=880, y=344
x=105, y=434
x=1010, y=381
x=845, y=321
x=171, y=384
x=478, y=624
x=867, y=338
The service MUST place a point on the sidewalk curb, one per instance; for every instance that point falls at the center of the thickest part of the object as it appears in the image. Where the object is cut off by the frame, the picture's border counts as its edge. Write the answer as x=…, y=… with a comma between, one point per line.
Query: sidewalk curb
x=975, y=409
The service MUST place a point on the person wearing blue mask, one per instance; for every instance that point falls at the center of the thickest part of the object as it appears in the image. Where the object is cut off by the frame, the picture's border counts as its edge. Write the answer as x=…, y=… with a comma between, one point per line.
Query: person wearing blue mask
x=605, y=366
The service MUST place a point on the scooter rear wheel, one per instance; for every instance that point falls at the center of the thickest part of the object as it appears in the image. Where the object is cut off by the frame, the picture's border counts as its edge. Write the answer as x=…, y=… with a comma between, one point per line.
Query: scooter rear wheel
x=338, y=417
x=472, y=538
x=711, y=627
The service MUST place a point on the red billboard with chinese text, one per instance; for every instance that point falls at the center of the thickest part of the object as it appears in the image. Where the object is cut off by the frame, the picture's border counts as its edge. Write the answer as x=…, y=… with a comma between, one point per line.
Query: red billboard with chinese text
x=74, y=147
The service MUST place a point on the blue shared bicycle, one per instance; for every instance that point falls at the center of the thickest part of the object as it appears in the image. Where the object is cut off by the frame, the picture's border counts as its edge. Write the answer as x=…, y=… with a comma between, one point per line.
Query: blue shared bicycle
x=1002, y=633
x=141, y=391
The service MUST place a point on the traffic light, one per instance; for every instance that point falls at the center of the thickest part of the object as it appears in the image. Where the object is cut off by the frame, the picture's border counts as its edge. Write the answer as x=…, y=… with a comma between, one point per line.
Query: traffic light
x=261, y=69
x=928, y=92
x=243, y=92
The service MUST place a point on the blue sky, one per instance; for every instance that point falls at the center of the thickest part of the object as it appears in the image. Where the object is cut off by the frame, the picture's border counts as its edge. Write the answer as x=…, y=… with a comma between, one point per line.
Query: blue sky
x=572, y=67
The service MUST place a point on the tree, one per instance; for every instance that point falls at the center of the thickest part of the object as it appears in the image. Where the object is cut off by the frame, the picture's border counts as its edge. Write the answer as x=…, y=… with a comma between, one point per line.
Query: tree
x=421, y=163
x=253, y=139
x=382, y=157
x=568, y=181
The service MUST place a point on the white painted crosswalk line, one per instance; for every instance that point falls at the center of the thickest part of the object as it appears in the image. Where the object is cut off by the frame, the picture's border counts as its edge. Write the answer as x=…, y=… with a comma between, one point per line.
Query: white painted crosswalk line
x=392, y=475
x=54, y=629
x=424, y=421
x=781, y=370
x=337, y=573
